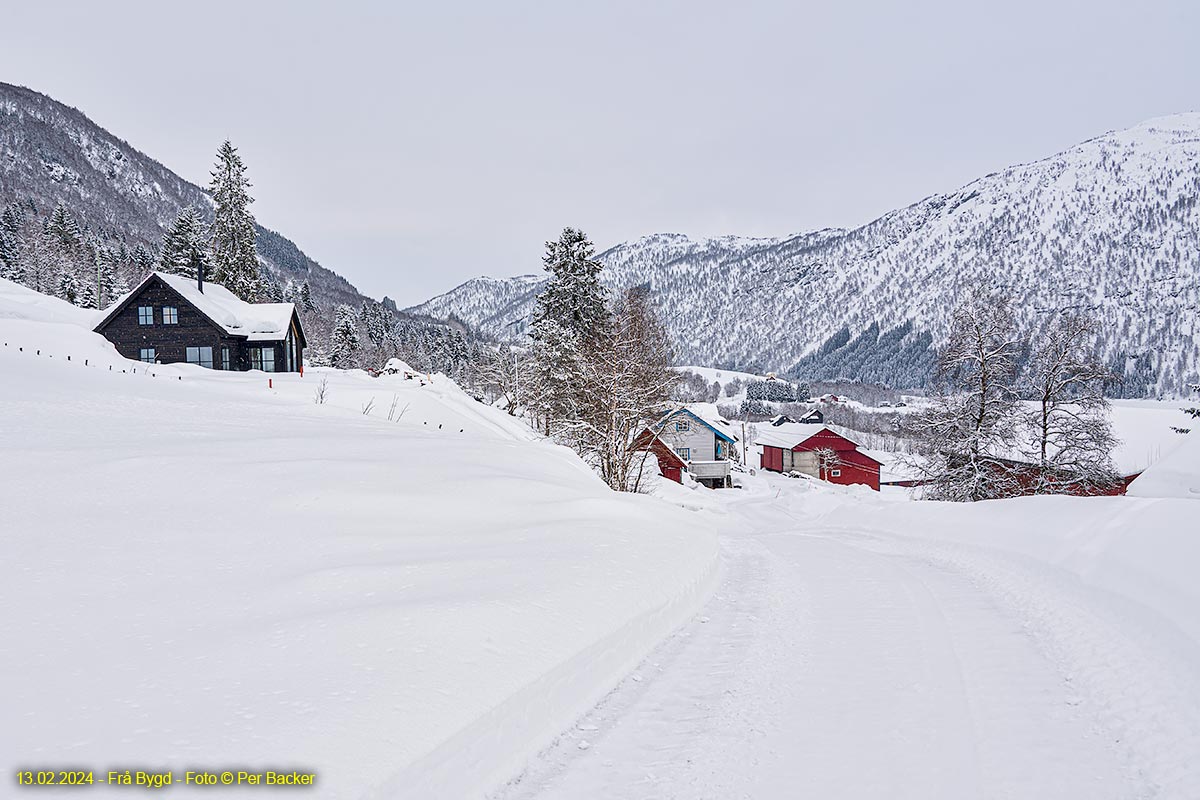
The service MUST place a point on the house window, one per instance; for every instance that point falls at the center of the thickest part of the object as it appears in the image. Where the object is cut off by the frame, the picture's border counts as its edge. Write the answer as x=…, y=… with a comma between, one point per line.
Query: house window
x=145, y=315
x=835, y=473
x=201, y=356
x=170, y=315
x=263, y=358
x=684, y=452
x=225, y=358
x=147, y=355
x=683, y=425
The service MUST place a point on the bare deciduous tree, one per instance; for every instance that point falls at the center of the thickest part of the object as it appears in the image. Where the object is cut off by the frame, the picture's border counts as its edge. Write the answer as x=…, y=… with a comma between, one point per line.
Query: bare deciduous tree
x=1072, y=439
x=322, y=392
x=972, y=427
x=626, y=382
x=506, y=375
x=827, y=460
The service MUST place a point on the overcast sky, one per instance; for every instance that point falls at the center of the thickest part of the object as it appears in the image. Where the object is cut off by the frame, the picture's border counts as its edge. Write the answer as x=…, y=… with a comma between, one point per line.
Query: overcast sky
x=412, y=146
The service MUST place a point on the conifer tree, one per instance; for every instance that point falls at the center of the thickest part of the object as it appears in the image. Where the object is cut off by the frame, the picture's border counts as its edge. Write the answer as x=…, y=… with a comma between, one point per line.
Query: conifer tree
x=107, y=281
x=183, y=246
x=63, y=229
x=343, y=342
x=571, y=313
x=574, y=296
x=144, y=258
x=306, y=299
x=68, y=286
x=11, y=222
x=232, y=241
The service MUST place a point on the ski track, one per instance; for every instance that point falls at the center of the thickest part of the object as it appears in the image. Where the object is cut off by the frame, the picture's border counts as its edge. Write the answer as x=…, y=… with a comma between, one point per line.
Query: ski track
x=852, y=663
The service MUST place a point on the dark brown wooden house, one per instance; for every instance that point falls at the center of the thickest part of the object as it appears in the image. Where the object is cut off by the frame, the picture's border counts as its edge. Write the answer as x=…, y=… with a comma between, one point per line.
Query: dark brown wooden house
x=169, y=319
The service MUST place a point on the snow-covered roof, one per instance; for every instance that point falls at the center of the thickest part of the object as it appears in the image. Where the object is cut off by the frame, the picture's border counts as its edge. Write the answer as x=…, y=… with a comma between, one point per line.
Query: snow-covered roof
x=256, y=321
x=706, y=413
x=790, y=434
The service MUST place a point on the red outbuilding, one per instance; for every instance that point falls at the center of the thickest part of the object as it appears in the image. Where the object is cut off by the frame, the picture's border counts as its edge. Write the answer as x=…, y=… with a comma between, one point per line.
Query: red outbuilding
x=819, y=451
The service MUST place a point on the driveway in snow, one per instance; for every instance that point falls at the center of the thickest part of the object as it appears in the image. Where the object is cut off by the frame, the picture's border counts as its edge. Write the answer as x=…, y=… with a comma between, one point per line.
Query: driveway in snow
x=848, y=664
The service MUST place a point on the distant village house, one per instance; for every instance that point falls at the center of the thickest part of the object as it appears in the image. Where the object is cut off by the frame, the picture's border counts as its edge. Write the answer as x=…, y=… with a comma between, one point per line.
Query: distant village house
x=819, y=451
x=685, y=440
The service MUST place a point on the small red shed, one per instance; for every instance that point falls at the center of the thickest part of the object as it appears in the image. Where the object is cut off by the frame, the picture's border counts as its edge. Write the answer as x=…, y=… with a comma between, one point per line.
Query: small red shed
x=669, y=463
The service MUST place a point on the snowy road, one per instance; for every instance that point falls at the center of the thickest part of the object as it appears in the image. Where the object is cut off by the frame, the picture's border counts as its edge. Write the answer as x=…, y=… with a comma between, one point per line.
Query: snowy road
x=844, y=664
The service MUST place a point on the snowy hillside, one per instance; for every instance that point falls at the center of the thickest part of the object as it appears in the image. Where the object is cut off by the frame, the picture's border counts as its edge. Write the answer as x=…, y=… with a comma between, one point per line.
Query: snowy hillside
x=1112, y=224
x=203, y=570
x=51, y=153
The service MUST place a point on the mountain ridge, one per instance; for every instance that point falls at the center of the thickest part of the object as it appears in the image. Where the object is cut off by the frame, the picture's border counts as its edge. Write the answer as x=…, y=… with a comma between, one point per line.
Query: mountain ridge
x=52, y=152
x=1111, y=224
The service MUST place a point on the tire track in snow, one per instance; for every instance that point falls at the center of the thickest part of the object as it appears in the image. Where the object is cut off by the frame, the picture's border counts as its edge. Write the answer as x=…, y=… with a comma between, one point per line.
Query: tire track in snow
x=1135, y=681
x=828, y=666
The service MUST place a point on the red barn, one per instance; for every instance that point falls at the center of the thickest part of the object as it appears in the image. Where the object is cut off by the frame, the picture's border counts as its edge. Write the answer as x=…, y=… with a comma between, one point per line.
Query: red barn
x=819, y=451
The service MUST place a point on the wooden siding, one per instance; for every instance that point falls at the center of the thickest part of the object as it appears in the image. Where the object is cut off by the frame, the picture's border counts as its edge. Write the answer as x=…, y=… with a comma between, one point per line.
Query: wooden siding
x=193, y=329
x=170, y=342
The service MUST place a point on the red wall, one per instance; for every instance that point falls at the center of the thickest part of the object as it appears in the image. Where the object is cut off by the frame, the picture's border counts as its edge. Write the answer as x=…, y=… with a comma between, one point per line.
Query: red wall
x=856, y=467
x=772, y=458
x=855, y=473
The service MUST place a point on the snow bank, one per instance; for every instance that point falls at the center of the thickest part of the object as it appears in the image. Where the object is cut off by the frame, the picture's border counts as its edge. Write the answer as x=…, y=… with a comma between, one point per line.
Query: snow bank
x=1143, y=550
x=1146, y=432
x=204, y=571
x=1176, y=475
x=1105, y=586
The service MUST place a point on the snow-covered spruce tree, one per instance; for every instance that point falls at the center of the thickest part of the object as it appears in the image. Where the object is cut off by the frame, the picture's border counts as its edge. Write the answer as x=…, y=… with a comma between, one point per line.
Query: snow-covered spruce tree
x=63, y=229
x=12, y=220
x=232, y=241
x=557, y=374
x=973, y=424
x=270, y=291
x=68, y=286
x=570, y=313
x=1072, y=437
x=183, y=246
x=626, y=380
x=343, y=341
x=108, y=280
x=306, y=298
x=39, y=262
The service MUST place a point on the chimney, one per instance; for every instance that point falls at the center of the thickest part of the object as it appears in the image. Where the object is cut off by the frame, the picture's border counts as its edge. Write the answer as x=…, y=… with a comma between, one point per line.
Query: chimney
x=199, y=273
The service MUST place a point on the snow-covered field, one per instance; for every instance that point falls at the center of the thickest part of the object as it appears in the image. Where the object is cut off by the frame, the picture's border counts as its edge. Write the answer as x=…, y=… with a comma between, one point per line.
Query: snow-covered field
x=200, y=571
x=204, y=571
x=860, y=647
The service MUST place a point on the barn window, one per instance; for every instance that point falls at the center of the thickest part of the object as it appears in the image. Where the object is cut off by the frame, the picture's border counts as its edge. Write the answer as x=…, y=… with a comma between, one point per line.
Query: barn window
x=147, y=355
x=170, y=315
x=683, y=425
x=145, y=315
x=201, y=356
x=835, y=473
x=684, y=452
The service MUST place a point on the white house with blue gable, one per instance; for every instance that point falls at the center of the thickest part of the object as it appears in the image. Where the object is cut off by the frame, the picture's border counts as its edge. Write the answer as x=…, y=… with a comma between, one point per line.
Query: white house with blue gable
x=688, y=438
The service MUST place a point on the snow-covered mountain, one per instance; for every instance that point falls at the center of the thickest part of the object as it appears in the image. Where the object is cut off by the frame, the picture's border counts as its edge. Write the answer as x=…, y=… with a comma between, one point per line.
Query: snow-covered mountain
x=1111, y=224
x=51, y=153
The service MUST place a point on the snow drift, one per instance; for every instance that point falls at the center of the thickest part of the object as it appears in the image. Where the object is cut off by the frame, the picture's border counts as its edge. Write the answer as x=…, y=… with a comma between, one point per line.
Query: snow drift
x=203, y=571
